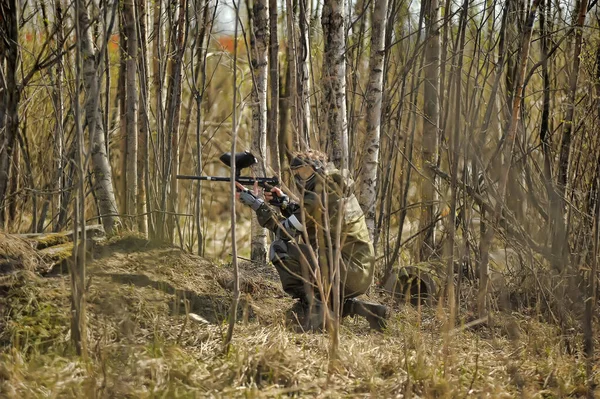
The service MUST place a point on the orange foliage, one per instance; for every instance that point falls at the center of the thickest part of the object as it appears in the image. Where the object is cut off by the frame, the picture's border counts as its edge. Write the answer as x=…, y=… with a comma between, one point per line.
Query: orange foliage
x=113, y=43
x=226, y=43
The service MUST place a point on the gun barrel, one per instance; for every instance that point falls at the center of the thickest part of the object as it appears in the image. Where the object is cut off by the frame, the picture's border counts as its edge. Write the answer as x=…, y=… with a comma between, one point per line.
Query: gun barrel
x=209, y=178
x=273, y=181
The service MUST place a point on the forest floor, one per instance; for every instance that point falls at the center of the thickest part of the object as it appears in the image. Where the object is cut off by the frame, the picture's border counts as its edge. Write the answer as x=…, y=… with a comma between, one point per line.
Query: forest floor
x=141, y=343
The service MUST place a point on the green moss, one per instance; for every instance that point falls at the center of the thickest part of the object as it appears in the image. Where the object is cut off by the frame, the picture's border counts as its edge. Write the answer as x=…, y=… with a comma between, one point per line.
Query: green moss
x=50, y=240
x=57, y=254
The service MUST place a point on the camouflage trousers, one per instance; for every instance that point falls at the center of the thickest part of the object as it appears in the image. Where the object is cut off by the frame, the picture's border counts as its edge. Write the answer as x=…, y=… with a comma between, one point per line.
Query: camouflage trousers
x=295, y=264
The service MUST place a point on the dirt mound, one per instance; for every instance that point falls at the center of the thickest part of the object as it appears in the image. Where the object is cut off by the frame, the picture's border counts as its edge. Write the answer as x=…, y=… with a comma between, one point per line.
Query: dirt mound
x=142, y=341
x=18, y=254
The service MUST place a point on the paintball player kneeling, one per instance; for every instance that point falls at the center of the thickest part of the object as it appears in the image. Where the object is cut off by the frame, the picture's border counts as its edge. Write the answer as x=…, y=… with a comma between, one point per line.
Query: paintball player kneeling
x=306, y=230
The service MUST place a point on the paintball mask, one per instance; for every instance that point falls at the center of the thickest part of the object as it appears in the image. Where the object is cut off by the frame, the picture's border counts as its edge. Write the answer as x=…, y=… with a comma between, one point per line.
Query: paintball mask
x=305, y=183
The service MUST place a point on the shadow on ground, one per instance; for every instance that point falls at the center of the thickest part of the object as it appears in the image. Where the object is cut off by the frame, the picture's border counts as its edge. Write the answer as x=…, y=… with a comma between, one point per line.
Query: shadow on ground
x=212, y=307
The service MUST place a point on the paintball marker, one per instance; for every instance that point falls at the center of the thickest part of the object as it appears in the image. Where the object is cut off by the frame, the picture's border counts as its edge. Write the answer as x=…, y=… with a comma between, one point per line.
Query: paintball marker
x=242, y=160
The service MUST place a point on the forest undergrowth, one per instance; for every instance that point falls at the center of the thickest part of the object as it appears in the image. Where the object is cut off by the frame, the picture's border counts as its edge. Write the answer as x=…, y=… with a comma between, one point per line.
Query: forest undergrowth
x=144, y=340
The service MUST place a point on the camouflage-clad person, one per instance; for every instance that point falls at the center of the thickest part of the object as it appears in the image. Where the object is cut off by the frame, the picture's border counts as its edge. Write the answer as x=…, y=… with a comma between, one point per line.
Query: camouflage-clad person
x=305, y=232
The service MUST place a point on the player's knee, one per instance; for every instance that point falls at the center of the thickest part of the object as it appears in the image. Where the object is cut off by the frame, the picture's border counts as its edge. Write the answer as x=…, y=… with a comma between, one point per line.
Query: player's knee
x=278, y=251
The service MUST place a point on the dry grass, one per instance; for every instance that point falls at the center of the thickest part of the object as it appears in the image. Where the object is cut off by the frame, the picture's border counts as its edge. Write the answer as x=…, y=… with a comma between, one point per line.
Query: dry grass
x=141, y=343
x=17, y=254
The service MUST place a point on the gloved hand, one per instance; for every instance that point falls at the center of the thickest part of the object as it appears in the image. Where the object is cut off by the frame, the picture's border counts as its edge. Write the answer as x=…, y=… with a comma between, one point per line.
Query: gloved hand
x=277, y=198
x=249, y=199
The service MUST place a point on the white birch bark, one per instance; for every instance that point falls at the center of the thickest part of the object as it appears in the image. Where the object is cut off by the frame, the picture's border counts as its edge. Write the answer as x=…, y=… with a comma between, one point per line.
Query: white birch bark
x=143, y=120
x=59, y=111
x=335, y=124
x=259, y=43
x=273, y=124
x=303, y=69
x=368, y=178
x=131, y=109
x=103, y=184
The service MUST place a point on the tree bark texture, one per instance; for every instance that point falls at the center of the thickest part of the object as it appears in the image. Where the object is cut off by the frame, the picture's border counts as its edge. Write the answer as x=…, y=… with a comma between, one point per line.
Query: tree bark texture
x=259, y=46
x=143, y=154
x=431, y=111
x=273, y=121
x=292, y=77
x=157, y=220
x=303, y=69
x=172, y=122
x=369, y=171
x=9, y=108
x=334, y=128
x=131, y=111
x=59, y=136
x=103, y=182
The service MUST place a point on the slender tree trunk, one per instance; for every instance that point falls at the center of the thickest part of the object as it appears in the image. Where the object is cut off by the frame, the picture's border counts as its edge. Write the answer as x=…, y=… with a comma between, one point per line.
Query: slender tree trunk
x=77, y=269
x=172, y=123
x=292, y=78
x=103, y=184
x=369, y=172
x=59, y=136
x=157, y=220
x=131, y=114
x=259, y=46
x=273, y=121
x=285, y=138
x=454, y=159
x=545, y=122
x=143, y=155
x=356, y=68
x=121, y=178
x=334, y=128
x=205, y=24
x=431, y=111
x=303, y=69
x=10, y=108
x=14, y=186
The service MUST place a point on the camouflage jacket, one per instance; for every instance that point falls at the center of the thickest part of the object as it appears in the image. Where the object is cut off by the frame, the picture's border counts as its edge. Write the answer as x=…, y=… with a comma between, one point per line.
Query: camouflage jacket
x=321, y=213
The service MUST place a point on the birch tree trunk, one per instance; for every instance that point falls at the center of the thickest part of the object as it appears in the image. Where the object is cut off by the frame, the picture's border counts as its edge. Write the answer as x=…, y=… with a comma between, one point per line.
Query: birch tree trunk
x=57, y=97
x=303, y=69
x=103, y=184
x=258, y=43
x=431, y=111
x=143, y=159
x=131, y=111
x=273, y=121
x=121, y=178
x=9, y=113
x=369, y=172
x=334, y=129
